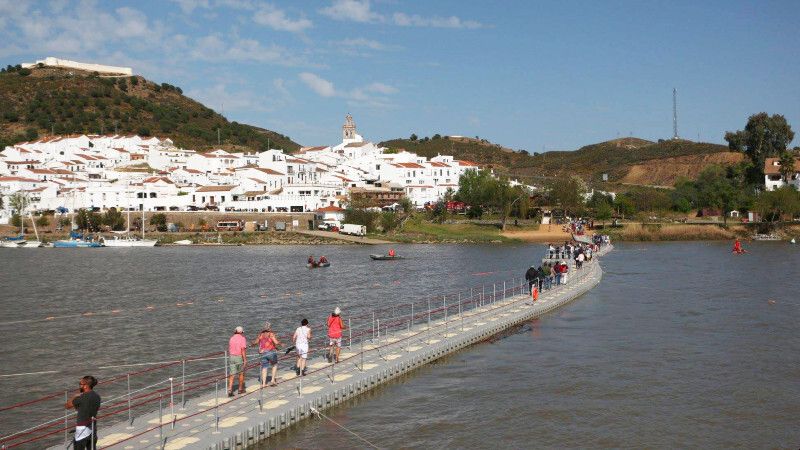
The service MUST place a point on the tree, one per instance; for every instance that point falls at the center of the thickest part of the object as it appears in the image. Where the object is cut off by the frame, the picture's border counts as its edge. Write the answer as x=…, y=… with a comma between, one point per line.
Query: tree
x=764, y=136
x=114, y=219
x=18, y=201
x=787, y=165
x=159, y=221
x=413, y=137
x=624, y=205
x=42, y=221
x=603, y=212
x=568, y=194
x=774, y=205
x=88, y=220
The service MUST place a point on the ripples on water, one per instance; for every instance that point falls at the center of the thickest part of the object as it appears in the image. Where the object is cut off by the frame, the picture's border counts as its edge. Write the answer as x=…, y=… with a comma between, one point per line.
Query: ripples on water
x=678, y=346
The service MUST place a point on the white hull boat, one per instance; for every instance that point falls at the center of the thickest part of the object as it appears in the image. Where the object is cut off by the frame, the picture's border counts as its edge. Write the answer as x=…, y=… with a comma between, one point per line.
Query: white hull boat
x=128, y=242
x=20, y=244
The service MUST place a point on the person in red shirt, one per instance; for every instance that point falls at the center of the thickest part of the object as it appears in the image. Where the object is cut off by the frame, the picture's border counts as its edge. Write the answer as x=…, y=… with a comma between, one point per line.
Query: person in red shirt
x=335, y=327
x=237, y=359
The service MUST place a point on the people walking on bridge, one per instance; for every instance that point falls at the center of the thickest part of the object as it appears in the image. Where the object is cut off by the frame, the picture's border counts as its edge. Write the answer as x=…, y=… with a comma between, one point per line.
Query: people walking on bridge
x=301, y=338
x=86, y=403
x=268, y=349
x=579, y=259
x=335, y=327
x=530, y=276
x=237, y=359
x=547, y=272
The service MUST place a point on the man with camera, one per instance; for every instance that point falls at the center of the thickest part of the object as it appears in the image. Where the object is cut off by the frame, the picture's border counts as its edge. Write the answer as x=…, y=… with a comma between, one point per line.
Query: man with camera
x=86, y=403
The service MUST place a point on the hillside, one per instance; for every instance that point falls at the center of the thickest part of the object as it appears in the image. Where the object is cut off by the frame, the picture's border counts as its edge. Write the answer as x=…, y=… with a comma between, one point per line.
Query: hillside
x=46, y=100
x=480, y=151
x=626, y=160
x=619, y=157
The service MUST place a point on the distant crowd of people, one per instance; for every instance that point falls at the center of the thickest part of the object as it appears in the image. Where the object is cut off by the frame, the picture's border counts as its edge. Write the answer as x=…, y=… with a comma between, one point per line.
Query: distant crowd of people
x=555, y=268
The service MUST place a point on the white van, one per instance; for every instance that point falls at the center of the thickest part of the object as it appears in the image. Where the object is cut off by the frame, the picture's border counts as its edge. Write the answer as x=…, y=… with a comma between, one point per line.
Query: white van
x=353, y=229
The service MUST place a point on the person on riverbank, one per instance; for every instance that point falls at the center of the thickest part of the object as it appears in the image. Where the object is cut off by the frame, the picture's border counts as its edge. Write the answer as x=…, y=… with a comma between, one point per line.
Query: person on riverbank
x=237, y=359
x=301, y=338
x=335, y=327
x=530, y=276
x=85, y=403
x=268, y=345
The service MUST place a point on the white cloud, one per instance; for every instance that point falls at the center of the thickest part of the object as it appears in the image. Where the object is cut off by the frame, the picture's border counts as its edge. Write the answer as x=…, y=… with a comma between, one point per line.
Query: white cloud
x=372, y=95
x=188, y=6
x=276, y=18
x=233, y=100
x=215, y=48
x=381, y=88
x=318, y=84
x=353, y=10
x=362, y=42
x=414, y=20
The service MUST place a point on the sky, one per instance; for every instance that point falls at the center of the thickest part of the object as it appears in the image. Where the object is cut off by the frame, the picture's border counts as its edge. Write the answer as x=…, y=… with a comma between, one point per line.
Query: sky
x=523, y=74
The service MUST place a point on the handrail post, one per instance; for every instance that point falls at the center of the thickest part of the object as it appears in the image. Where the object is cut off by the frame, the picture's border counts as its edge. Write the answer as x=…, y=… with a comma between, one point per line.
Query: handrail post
x=130, y=418
x=261, y=397
x=379, y=330
x=349, y=336
x=66, y=420
x=183, y=384
x=160, y=421
x=216, y=406
x=494, y=292
x=483, y=294
x=362, y=353
x=504, y=290
x=373, y=326
x=93, y=445
x=171, y=401
x=444, y=300
x=333, y=371
x=460, y=314
x=412, y=316
x=226, y=369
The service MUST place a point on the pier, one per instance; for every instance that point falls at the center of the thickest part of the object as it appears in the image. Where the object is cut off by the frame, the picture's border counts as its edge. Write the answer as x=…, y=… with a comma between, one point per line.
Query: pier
x=190, y=408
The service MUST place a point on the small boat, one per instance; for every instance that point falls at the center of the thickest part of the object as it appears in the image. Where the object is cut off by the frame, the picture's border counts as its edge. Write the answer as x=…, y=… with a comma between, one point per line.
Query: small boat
x=384, y=257
x=182, y=242
x=77, y=241
x=314, y=266
x=19, y=242
x=128, y=241
x=766, y=237
x=792, y=241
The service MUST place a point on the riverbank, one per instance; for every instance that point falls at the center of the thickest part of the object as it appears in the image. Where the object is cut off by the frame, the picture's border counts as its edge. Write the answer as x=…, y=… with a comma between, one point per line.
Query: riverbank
x=680, y=232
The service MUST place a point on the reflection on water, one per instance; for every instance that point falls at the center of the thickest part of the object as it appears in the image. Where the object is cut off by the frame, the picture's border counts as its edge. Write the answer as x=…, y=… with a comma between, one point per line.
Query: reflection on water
x=681, y=345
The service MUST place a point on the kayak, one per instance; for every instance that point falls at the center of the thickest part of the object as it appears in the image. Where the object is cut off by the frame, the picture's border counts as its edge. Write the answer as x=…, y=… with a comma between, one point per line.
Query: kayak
x=384, y=257
x=314, y=266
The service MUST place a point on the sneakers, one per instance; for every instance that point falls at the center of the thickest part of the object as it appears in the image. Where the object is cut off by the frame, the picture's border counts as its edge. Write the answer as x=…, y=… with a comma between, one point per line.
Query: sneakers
x=297, y=371
x=230, y=393
x=304, y=372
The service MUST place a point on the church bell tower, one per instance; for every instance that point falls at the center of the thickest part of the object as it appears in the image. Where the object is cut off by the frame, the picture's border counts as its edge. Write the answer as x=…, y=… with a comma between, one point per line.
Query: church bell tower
x=349, y=128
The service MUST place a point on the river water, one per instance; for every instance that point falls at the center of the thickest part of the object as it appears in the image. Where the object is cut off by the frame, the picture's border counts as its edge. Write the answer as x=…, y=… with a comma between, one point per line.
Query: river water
x=681, y=345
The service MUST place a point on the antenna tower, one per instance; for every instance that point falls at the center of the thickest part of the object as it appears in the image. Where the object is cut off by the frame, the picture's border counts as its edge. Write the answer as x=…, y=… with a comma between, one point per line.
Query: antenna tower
x=674, y=113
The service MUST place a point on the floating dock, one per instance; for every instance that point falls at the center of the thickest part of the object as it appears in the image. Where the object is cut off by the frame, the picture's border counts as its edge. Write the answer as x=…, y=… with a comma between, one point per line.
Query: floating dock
x=215, y=421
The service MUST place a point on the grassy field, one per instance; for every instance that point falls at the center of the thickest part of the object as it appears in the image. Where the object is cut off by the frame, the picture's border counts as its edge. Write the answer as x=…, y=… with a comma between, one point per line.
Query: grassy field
x=426, y=232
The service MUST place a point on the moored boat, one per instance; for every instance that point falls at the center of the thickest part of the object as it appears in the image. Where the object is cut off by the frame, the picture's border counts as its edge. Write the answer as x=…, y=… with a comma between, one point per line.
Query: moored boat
x=128, y=241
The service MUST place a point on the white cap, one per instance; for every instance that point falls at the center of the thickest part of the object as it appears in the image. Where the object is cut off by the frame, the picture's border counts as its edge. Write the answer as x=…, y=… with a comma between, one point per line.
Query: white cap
x=337, y=311
x=239, y=329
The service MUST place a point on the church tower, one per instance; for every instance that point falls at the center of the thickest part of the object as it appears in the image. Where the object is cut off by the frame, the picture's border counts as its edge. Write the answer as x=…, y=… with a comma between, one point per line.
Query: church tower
x=349, y=128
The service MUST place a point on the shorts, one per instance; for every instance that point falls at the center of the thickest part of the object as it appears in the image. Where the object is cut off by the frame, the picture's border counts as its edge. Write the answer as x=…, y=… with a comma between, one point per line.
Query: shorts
x=302, y=351
x=335, y=341
x=268, y=359
x=235, y=364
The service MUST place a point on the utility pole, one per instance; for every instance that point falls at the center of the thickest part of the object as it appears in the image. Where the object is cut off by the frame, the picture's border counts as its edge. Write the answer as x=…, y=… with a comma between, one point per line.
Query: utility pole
x=674, y=113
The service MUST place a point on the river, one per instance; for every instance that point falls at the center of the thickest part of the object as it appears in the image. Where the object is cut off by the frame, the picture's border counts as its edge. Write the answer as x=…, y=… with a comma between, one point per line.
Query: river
x=682, y=344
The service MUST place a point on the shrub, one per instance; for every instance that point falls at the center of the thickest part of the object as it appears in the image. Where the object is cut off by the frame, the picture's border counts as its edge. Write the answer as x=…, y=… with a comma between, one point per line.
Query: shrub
x=42, y=221
x=159, y=221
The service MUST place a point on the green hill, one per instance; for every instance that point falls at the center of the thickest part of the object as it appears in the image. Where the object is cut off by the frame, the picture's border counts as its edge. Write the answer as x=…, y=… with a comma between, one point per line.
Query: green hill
x=627, y=160
x=46, y=100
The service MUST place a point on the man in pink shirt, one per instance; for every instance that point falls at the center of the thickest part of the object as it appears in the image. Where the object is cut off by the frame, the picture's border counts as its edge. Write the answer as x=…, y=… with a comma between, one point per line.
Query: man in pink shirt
x=237, y=359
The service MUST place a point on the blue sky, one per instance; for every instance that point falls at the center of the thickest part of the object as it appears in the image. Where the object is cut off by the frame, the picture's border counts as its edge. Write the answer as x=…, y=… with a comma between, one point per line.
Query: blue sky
x=524, y=74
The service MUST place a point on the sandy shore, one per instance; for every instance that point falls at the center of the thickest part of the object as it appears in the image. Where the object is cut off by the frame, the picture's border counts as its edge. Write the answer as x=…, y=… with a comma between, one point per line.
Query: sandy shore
x=545, y=233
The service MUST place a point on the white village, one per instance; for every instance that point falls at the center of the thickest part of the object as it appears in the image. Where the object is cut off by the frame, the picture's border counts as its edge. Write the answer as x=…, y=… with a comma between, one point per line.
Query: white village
x=138, y=173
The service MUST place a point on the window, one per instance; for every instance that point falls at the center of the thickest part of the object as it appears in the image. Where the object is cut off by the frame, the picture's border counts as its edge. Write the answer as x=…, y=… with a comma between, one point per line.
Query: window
x=222, y=198
x=377, y=167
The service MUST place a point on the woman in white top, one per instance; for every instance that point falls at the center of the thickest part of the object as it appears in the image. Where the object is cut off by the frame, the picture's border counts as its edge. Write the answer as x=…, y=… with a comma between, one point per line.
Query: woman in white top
x=301, y=338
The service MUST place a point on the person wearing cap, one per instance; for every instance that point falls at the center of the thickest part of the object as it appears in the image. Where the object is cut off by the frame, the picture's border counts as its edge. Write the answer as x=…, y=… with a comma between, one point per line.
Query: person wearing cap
x=237, y=359
x=268, y=349
x=335, y=327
